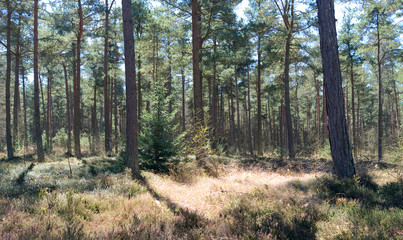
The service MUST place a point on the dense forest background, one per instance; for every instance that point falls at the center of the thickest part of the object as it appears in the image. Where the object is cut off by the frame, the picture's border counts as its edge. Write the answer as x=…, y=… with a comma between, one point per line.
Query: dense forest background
x=252, y=103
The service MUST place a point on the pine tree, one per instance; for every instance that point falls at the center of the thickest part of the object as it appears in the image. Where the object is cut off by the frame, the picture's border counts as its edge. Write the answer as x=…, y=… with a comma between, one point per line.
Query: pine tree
x=158, y=139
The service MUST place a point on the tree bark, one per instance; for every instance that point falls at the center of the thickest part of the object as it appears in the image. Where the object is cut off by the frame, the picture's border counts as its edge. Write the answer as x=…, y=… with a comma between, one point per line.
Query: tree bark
x=10, y=150
x=49, y=113
x=238, y=128
x=291, y=151
x=338, y=136
x=24, y=100
x=77, y=93
x=131, y=98
x=95, y=138
x=355, y=151
x=67, y=110
x=196, y=45
x=249, y=120
x=17, y=102
x=183, y=101
x=259, y=101
x=108, y=129
x=380, y=100
x=37, y=117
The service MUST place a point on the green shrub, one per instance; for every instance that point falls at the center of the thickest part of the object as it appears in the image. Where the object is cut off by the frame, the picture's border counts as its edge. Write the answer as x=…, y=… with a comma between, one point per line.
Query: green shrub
x=331, y=188
x=158, y=140
x=392, y=194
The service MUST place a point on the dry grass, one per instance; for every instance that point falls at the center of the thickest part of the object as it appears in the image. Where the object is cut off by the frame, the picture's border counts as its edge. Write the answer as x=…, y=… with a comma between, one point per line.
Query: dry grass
x=270, y=200
x=209, y=196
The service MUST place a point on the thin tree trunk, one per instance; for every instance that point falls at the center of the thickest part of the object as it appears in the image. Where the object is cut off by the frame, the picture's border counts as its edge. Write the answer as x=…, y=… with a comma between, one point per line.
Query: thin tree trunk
x=380, y=100
x=355, y=151
x=17, y=103
x=10, y=150
x=49, y=113
x=131, y=98
x=238, y=129
x=183, y=101
x=249, y=120
x=95, y=138
x=67, y=111
x=24, y=100
x=116, y=119
x=43, y=103
x=259, y=101
x=338, y=136
x=37, y=118
x=397, y=106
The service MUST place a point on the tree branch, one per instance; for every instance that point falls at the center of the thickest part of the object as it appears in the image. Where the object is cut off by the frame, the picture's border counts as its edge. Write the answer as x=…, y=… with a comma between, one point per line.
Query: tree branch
x=6, y=48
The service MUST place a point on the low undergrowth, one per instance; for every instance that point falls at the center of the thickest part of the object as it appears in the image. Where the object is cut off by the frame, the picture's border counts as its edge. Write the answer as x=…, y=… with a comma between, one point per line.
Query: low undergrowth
x=101, y=201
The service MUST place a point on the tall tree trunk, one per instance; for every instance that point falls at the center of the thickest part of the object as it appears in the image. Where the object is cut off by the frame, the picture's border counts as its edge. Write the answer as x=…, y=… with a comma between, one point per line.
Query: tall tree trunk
x=131, y=98
x=183, y=101
x=197, y=81
x=397, y=106
x=338, y=136
x=238, y=129
x=67, y=110
x=106, y=84
x=77, y=112
x=10, y=150
x=259, y=101
x=214, y=100
x=380, y=100
x=291, y=151
x=318, y=109
x=17, y=103
x=358, y=128
x=37, y=117
x=353, y=109
x=95, y=137
x=231, y=111
x=249, y=120
x=43, y=103
x=140, y=94
x=49, y=113
x=169, y=77
x=24, y=100
x=116, y=119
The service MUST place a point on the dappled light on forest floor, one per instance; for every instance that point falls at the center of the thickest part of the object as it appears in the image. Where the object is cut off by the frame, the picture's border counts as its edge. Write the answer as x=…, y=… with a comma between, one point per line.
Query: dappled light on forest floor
x=98, y=199
x=208, y=195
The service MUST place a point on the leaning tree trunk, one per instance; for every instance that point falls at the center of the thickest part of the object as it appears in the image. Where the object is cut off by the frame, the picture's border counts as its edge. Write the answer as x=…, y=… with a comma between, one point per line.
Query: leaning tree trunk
x=37, y=117
x=131, y=98
x=338, y=135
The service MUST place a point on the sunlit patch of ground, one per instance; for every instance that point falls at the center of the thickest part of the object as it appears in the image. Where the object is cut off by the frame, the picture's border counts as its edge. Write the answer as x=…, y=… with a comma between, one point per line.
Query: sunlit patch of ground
x=208, y=195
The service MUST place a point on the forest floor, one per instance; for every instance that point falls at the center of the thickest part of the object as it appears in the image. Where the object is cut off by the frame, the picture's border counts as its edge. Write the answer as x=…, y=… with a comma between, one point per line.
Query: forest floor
x=238, y=198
